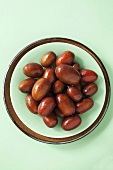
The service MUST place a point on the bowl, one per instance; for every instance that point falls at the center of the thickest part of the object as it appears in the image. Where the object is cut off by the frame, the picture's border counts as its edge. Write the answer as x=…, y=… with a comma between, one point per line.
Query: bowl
x=32, y=124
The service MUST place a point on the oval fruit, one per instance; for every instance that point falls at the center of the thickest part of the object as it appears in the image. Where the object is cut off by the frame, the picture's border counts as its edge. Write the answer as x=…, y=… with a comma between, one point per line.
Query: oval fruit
x=76, y=66
x=71, y=122
x=46, y=106
x=74, y=93
x=67, y=57
x=33, y=70
x=84, y=105
x=41, y=88
x=65, y=104
x=88, y=76
x=58, y=86
x=49, y=74
x=26, y=85
x=59, y=113
x=90, y=89
x=67, y=74
x=48, y=59
x=51, y=120
x=31, y=104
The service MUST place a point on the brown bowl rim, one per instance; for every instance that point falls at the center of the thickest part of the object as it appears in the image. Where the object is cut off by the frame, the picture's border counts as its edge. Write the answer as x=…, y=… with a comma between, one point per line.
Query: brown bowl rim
x=13, y=115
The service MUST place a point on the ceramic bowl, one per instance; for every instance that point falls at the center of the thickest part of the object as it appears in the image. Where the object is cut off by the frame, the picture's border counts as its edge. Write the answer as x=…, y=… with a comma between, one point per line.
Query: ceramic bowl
x=32, y=124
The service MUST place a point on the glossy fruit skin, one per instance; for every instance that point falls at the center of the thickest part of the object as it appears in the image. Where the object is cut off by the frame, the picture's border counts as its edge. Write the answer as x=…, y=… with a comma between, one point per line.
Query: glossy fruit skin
x=67, y=57
x=48, y=59
x=67, y=74
x=90, y=89
x=76, y=66
x=58, y=87
x=33, y=70
x=65, y=104
x=58, y=113
x=74, y=94
x=40, y=88
x=46, y=106
x=26, y=85
x=84, y=105
x=88, y=76
x=49, y=74
x=50, y=120
x=71, y=122
x=31, y=104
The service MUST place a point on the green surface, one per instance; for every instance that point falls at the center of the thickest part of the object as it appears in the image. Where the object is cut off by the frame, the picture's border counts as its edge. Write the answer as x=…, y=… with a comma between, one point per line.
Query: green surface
x=23, y=22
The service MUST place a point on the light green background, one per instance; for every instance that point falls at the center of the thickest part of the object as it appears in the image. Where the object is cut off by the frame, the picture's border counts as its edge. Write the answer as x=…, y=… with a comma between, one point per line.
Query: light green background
x=87, y=21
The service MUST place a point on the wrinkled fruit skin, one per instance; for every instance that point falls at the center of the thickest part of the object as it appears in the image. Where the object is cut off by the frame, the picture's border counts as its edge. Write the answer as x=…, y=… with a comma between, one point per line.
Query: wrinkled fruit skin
x=88, y=76
x=90, y=89
x=66, y=57
x=31, y=104
x=58, y=87
x=33, y=70
x=59, y=113
x=65, y=104
x=49, y=74
x=40, y=88
x=46, y=106
x=26, y=85
x=48, y=59
x=84, y=105
x=67, y=74
x=51, y=120
x=74, y=93
x=71, y=122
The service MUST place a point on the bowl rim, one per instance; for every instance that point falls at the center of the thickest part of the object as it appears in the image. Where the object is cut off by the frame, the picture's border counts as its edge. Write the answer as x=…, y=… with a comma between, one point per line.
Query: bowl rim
x=13, y=115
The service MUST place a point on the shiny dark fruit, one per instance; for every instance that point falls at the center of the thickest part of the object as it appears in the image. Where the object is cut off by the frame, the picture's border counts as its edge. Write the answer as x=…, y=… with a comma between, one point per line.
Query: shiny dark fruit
x=65, y=104
x=48, y=59
x=31, y=104
x=26, y=85
x=84, y=105
x=67, y=57
x=67, y=74
x=58, y=87
x=90, y=89
x=46, y=106
x=76, y=66
x=74, y=93
x=71, y=122
x=41, y=88
x=88, y=76
x=33, y=70
x=49, y=74
x=50, y=120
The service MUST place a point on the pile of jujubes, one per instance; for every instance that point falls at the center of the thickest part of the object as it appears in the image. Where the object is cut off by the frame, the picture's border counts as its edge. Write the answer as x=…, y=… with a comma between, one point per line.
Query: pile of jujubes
x=58, y=87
